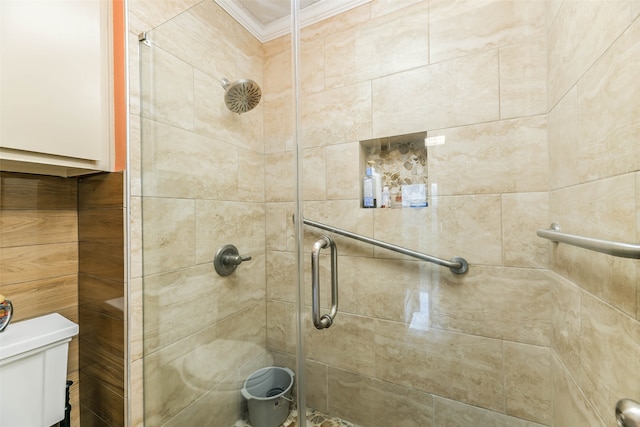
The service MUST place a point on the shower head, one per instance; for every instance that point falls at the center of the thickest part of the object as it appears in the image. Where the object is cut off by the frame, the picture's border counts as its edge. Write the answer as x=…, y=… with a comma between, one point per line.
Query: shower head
x=242, y=95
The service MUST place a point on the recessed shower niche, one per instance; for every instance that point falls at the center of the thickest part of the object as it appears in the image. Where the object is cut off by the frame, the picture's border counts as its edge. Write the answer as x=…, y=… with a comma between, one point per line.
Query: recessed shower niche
x=401, y=161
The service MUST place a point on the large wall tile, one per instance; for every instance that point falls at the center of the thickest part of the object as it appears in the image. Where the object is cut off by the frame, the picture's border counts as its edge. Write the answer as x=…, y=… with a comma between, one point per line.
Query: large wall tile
x=279, y=173
x=341, y=58
x=343, y=214
x=101, y=191
x=280, y=233
x=168, y=234
x=603, y=209
x=498, y=157
x=280, y=330
x=522, y=215
x=608, y=110
x=102, y=343
x=392, y=289
x=278, y=123
x=610, y=345
x=143, y=18
x=343, y=171
x=135, y=322
x=37, y=227
x=317, y=385
x=53, y=294
x=214, y=119
x=28, y=263
x=523, y=79
x=104, y=404
x=221, y=223
x=336, y=115
x=452, y=93
x=183, y=372
x=553, y=6
x=135, y=406
x=102, y=259
x=167, y=89
x=101, y=225
x=565, y=320
x=102, y=295
x=565, y=169
x=191, y=37
x=312, y=65
x=457, y=366
x=450, y=413
x=349, y=344
x=24, y=191
x=353, y=17
x=459, y=28
x=250, y=177
x=374, y=403
x=504, y=303
x=278, y=97
x=380, y=47
x=571, y=407
x=466, y=226
x=281, y=274
x=222, y=404
x=315, y=175
x=179, y=164
x=202, y=293
x=579, y=35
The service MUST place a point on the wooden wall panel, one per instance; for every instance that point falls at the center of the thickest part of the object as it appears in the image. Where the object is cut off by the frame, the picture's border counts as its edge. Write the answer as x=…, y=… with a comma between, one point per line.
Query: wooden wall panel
x=101, y=296
x=25, y=191
x=39, y=253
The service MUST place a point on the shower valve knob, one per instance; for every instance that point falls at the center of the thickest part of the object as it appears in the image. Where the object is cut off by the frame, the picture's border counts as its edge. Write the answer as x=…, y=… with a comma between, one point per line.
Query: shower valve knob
x=227, y=260
x=235, y=259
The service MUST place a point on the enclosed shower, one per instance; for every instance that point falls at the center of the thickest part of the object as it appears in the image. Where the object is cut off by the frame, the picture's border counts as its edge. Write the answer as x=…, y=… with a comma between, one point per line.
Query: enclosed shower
x=496, y=111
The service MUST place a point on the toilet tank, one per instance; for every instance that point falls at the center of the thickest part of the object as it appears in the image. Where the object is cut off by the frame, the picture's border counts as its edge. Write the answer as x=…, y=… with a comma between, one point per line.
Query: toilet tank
x=33, y=371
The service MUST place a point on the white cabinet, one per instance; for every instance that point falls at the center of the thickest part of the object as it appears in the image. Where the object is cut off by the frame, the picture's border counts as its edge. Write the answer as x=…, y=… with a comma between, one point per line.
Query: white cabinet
x=56, y=91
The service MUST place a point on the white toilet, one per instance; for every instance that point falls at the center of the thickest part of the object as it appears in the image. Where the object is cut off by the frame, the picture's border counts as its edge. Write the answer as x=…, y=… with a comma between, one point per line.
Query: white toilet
x=33, y=371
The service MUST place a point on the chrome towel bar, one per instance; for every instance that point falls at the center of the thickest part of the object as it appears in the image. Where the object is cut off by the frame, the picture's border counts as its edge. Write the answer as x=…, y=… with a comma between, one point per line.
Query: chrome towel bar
x=619, y=249
x=457, y=265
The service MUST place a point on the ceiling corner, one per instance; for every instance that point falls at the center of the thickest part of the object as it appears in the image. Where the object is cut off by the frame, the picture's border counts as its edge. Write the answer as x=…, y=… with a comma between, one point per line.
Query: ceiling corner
x=311, y=14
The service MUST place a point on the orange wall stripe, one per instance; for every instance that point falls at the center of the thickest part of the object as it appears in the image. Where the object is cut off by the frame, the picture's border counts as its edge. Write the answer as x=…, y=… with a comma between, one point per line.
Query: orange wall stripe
x=119, y=86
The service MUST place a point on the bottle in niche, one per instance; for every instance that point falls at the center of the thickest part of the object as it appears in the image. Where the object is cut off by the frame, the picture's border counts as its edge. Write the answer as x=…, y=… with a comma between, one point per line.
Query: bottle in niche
x=377, y=178
x=369, y=192
x=386, y=198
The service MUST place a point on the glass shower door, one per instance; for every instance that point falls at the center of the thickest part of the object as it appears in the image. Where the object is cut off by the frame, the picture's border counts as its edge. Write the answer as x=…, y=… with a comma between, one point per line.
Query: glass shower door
x=389, y=85
x=202, y=187
x=398, y=86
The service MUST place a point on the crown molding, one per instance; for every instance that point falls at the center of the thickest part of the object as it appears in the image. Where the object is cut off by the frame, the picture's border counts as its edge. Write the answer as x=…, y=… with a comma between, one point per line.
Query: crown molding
x=308, y=16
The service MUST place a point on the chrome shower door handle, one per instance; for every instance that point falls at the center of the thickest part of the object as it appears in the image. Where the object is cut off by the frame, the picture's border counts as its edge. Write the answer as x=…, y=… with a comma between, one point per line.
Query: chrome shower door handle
x=326, y=320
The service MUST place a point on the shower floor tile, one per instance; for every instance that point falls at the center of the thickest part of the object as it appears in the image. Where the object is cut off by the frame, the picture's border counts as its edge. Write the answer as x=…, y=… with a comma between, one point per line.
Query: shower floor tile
x=314, y=419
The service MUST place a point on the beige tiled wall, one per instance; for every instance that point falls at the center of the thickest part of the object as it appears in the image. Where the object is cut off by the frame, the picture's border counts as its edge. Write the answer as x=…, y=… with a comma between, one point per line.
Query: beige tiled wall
x=594, y=125
x=538, y=102
x=197, y=181
x=475, y=73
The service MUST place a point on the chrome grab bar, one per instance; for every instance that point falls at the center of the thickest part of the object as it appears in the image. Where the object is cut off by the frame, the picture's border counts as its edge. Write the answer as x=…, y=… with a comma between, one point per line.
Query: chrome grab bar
x=326, y=320
x=619, y=249
x=457, y=265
